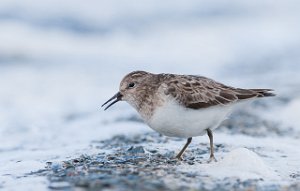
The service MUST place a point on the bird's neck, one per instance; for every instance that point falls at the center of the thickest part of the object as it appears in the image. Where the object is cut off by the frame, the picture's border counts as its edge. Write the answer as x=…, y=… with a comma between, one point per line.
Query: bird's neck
x=148, y=99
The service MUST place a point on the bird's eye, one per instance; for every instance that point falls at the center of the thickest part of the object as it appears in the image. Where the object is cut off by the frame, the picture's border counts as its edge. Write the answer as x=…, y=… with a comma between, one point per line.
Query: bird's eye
x=131, y=85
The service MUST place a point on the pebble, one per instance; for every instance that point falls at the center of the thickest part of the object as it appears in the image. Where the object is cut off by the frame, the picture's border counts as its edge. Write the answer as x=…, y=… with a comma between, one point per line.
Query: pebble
x=128, y=166
x=60, y=185
x=136, y=150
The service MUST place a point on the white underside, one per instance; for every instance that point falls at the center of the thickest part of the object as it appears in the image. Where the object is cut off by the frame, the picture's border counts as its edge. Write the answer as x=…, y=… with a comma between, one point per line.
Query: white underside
x=176, y=121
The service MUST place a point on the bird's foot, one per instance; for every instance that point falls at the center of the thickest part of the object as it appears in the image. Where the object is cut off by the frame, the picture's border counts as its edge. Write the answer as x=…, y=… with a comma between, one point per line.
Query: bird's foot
x=212, y=159
x=179, y=157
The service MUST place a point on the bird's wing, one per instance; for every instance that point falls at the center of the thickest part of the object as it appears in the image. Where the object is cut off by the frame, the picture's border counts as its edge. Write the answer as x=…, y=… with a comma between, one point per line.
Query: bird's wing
x=200, y=92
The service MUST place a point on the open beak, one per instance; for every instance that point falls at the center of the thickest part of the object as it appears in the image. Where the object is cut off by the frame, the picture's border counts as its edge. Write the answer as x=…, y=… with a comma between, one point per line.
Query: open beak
x=118, y=97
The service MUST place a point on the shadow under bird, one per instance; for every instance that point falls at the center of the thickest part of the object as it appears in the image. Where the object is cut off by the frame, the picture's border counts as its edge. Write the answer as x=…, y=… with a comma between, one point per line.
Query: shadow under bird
x=183, y=106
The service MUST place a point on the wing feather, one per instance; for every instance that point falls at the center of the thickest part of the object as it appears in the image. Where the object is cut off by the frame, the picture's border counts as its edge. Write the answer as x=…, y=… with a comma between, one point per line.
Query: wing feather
x=197, y=92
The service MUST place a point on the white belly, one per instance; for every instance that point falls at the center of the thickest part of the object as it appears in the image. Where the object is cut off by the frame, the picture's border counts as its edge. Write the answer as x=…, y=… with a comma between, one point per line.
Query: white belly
x=176, y=121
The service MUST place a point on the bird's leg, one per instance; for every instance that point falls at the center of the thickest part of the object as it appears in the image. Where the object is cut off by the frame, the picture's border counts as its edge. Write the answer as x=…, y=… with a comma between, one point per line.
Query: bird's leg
x=189, y=140
x=211, y=141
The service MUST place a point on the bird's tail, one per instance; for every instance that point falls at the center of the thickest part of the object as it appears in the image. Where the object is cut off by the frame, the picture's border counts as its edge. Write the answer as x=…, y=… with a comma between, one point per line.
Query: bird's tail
x=264, y=92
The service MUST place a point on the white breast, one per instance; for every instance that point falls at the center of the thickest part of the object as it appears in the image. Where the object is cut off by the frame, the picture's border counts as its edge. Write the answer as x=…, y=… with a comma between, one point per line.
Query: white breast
x=174, y=120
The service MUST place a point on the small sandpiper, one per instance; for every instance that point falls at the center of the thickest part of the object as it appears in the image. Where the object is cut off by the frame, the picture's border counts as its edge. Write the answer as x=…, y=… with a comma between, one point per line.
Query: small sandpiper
x=183, y=106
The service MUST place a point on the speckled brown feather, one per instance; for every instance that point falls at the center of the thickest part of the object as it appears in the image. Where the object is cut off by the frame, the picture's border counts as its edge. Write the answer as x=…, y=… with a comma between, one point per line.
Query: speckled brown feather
x=197, y=92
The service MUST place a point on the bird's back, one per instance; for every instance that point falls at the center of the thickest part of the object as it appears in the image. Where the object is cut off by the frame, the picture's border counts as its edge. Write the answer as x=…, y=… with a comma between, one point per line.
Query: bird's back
x=198, y=92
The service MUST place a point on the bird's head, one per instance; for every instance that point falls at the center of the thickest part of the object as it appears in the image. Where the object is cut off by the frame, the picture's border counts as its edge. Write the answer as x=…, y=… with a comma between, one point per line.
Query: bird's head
x=130, y=88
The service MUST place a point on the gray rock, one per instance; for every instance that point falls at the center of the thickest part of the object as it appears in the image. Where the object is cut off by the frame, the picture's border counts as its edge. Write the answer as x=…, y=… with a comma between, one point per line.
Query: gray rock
x=136, y=150
x=135, y=169
x=60, y=185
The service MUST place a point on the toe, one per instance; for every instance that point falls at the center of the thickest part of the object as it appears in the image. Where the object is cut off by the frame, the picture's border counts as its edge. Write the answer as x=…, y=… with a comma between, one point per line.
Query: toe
x=212, y=159
x=179, y=158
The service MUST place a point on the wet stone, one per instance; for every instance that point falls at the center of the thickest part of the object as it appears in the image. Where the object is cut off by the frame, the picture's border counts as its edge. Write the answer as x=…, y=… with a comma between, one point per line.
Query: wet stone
x=131, y=166
x=59, y=185
x=136, y=150
x=191, y=163
x=295, y=175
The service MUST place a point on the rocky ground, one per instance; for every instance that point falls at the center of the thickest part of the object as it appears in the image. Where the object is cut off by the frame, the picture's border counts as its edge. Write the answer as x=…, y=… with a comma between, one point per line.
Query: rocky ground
x=141, y=162
x=131, y=166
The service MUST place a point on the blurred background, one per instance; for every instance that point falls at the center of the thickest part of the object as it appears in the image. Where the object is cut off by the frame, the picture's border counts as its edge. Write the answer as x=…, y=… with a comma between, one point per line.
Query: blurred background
x=60, y=60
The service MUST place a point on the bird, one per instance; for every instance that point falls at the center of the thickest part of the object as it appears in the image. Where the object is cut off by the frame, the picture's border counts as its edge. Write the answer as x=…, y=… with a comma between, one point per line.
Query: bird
x=183, y=106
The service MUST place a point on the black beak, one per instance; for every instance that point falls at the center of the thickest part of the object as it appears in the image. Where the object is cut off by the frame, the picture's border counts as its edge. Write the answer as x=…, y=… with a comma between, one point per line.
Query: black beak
x=118, y=96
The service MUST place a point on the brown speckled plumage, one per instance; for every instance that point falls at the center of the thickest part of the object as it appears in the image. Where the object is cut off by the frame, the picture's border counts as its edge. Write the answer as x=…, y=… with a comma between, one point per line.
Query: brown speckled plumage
x=181, y=105
x=198, y=92
x=194, y=92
